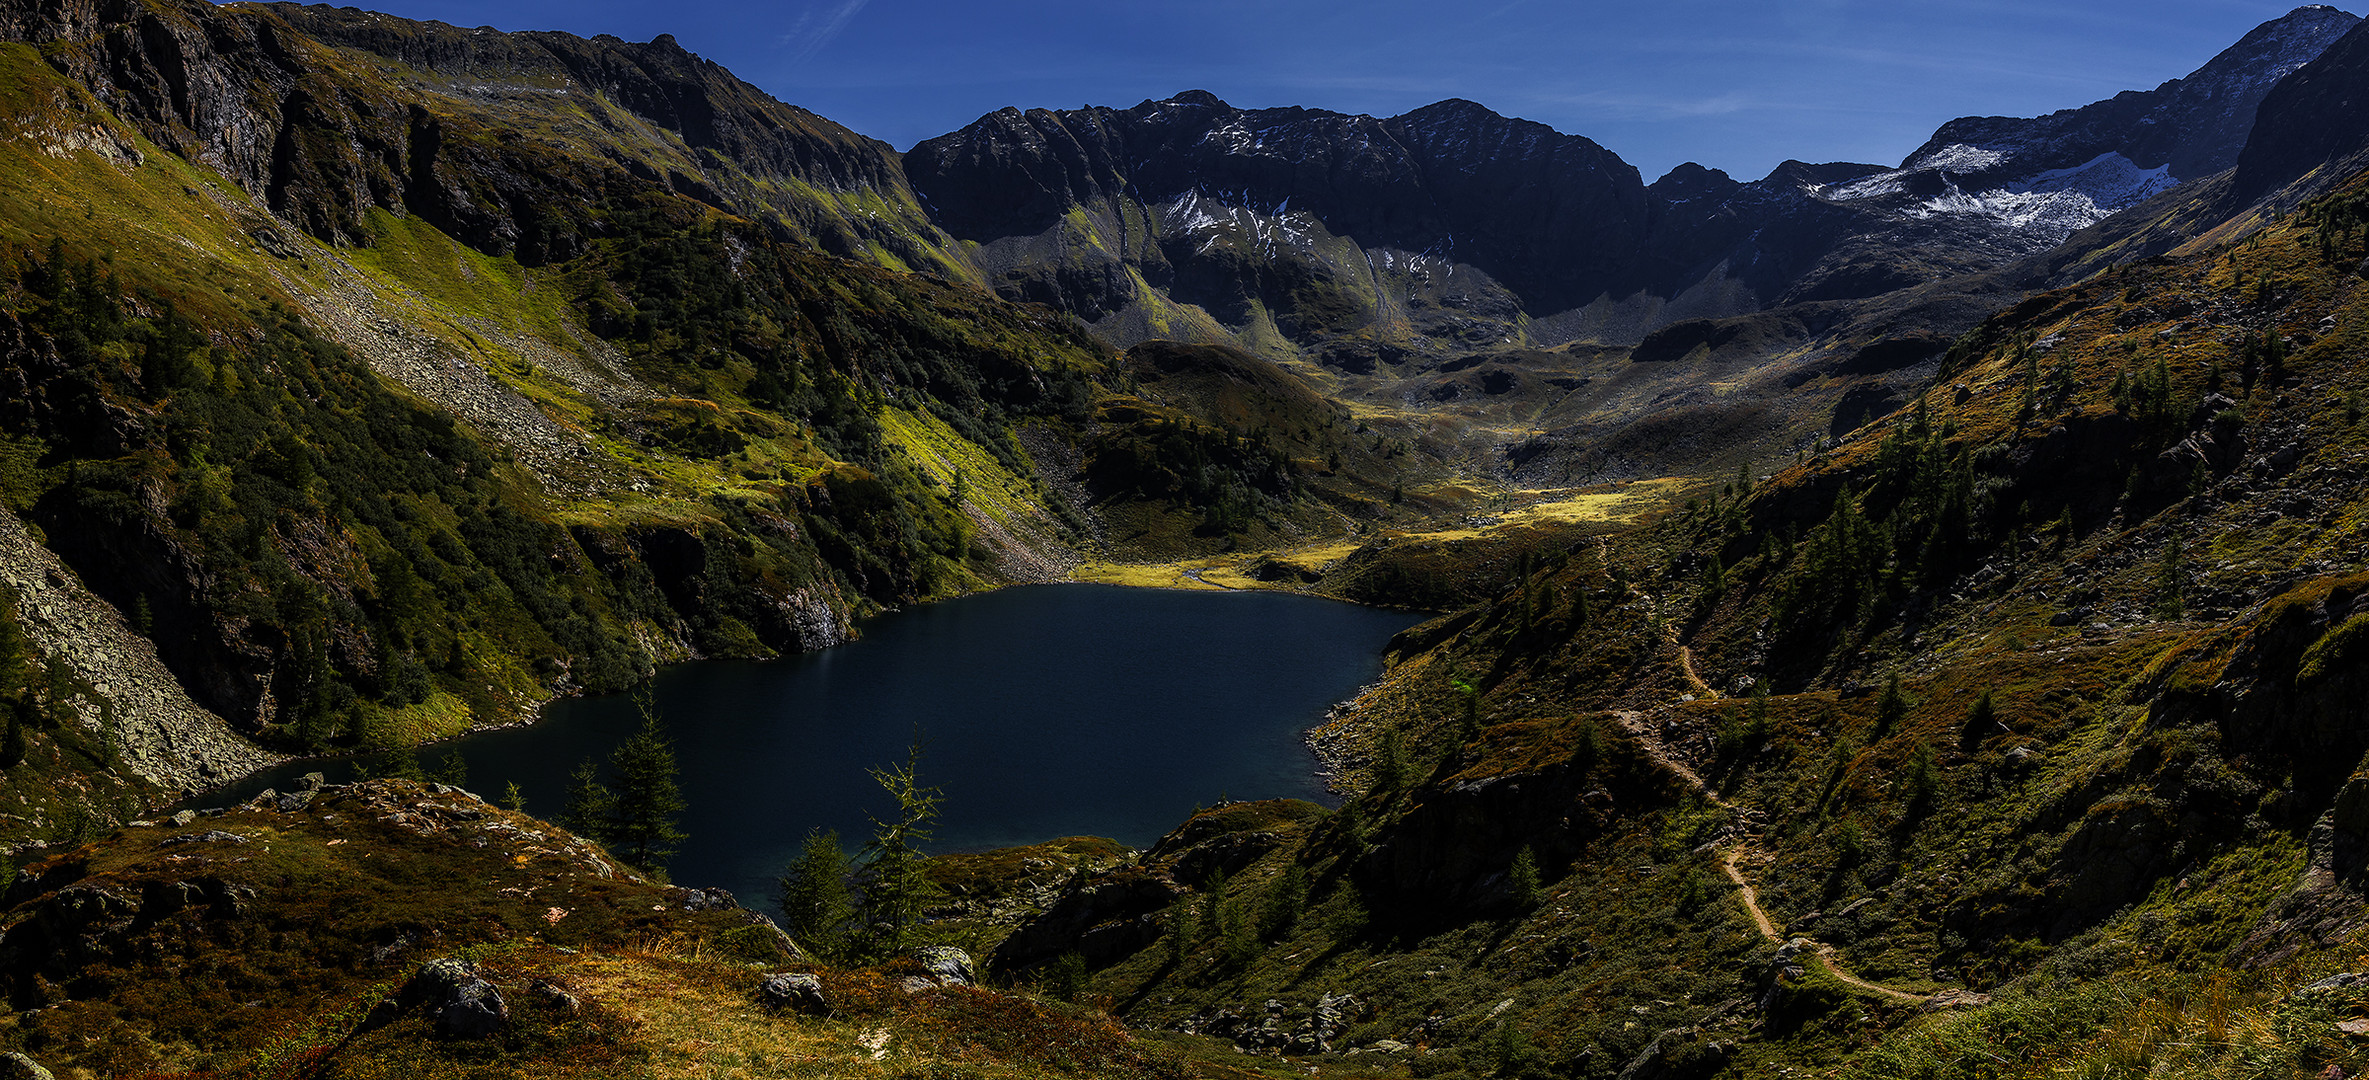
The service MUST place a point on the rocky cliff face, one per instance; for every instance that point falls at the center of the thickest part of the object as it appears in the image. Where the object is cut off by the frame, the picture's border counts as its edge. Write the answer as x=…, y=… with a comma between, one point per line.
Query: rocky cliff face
x=2054, y=174
x=2314, y=122
x=324, y=114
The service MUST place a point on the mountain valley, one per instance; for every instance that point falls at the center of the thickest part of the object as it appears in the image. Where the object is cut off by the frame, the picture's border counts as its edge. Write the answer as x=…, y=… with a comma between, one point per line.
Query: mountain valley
x=1883, y=621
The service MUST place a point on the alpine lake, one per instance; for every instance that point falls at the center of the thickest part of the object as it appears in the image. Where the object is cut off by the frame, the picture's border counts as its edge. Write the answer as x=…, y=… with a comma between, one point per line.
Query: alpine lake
x=1043, y=712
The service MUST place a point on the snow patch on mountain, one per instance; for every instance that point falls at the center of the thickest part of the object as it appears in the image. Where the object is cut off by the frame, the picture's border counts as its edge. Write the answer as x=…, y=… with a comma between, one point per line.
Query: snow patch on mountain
x=1196, y=214
x=2054, y=202
x=2059, y=201
x=1958, y=157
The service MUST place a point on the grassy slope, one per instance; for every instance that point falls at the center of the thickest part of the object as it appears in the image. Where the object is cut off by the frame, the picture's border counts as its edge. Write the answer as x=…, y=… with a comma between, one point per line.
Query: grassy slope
x=661, y=436
x=260, y=941
x=2124, y=859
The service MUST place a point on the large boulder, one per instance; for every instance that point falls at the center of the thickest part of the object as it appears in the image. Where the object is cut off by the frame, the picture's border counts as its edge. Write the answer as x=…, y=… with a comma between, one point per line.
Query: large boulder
x=462, y=1004
x=793, y=990
x=948, y=965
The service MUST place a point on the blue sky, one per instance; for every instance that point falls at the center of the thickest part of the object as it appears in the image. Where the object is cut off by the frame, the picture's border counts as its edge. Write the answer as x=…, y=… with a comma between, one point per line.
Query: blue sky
x=1734, y=84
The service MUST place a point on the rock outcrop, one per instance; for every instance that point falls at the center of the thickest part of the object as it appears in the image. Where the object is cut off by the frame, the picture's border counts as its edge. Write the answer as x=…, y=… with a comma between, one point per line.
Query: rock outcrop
x=143, y=711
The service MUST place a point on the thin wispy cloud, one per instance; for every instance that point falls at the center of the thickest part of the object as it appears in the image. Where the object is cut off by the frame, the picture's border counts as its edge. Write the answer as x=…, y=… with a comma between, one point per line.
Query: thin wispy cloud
x=815, y=28
x=1633, y=106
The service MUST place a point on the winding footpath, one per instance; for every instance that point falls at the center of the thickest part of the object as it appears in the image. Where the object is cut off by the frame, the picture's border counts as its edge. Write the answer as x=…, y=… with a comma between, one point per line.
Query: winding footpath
x=1638, y=727
x=1824, y=953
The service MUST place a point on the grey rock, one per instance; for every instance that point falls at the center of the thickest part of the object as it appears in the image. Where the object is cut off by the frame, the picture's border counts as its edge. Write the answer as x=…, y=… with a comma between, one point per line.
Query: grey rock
x=709, y=900
x=16, y=1066
x=476, y=1010
x=294, y=800
x=1955, y=999
x=793, y=990
x=161, y=733
x=312, y=781
x=210, y=836
x=945, y=963
x=183, y=817
x=556, y=997
x=2342, y=980
x=462, y=1004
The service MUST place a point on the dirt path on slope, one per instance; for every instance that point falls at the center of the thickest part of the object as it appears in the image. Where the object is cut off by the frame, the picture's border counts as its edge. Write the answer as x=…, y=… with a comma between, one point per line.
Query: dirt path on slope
x=1824, y=953
x=1642, y=730
x=1669, y=630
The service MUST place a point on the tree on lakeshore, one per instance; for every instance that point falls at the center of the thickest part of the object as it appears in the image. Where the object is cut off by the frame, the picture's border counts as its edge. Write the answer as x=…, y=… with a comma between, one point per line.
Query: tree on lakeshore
x=649, y=800
x=895, y=884
x=589, y=804
x=814, y=898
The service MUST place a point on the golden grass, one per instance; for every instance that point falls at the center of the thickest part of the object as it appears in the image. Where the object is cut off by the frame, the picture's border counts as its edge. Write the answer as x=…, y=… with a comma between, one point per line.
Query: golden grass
x=1167, y=575
x=695, y=1029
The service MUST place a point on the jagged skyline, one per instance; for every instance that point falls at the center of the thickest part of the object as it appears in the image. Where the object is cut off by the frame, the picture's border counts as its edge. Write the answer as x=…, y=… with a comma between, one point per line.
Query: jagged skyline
x=1733, y=86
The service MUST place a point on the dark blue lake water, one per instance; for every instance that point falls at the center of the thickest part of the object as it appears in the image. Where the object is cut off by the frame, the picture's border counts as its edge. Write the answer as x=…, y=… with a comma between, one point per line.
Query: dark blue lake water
x=1046, y=711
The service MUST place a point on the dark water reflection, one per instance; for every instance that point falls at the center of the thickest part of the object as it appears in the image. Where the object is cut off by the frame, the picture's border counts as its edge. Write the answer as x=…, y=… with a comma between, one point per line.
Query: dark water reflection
x=1047, y=711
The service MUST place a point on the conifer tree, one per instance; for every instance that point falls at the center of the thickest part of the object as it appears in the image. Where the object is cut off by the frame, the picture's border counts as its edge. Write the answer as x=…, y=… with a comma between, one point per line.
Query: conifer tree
x=1237, y=942
x=814, y=899
x=1521, y=879
x=1714, y=584
x=1980, y=722
x=1921, y=782
x=2171, y=580
x=590, y=804
x=1891, y=708
x=1213, y=898
x=649, y=799
x=1349, y=824
x=1287, y=897
x=895, y=885
x=1180, y=932
x=1390, y=762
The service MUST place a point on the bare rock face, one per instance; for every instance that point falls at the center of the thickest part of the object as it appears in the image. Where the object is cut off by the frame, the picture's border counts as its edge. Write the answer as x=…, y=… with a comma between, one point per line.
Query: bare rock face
x=2317, y=115
x=262, y=93
x=163, y=735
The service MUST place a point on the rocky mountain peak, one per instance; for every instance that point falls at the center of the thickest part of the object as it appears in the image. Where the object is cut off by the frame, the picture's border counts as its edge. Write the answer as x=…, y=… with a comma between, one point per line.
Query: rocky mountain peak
x=1201, y=98
x=2317, y=115
x=1691, y=181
